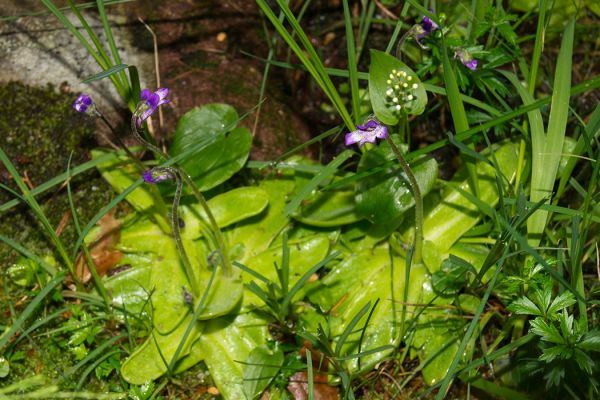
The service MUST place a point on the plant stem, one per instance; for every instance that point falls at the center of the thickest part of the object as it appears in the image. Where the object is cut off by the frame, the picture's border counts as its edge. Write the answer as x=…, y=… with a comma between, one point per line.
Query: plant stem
x=217, y=236
x=161, y=204
x=216, y=232
x=177, y=235
x=414, y=187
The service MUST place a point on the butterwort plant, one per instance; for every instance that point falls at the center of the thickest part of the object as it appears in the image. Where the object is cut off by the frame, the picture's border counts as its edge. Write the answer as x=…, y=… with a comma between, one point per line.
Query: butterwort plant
x=148, y=104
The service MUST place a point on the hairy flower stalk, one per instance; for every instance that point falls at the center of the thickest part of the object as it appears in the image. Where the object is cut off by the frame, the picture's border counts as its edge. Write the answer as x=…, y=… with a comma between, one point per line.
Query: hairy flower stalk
x=418, y=32
x=367, y=133
x=148, y=104
x=160, y=174
x=414, y=187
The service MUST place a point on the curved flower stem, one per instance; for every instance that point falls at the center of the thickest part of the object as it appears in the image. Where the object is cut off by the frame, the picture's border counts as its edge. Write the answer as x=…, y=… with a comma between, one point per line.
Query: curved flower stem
x=144, y=142
x=161, y=204
x=217, y=236
x=177, y=235
x=414, y=187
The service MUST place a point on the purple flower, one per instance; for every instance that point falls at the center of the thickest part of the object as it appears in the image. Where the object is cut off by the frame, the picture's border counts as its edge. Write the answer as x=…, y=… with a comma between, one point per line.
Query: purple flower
x=158, y=174
x=82, y=103
x=428, y=25
x=367, y=133
x=149, y=103
x=466, y=58
x=424, y=29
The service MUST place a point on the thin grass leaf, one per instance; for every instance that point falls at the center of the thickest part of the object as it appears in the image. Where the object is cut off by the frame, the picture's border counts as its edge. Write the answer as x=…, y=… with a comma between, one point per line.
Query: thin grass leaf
x=302, y=281
x=445, y=384
x=364, y=329
x=312, y=62
x=366, y=353
x=523, y=243
x=497, y=391
x=352, y=62
x=350, y=328
x=568, y=212
x=309, y=373
x=284, y=271
x=40, y=261
x=111, y=40
x=545, y=165
x=459, y=116
x=35, y=207
x=60, y=179
x=190, y=327
x=75, y=32
x=106, y=73
x=93, y=354
x=93, y=366
x=318, y=138
x=307, y=189
x=103, y=211
x=540, y=34
x=252, y=272
x=75, y=9
x=88, y=257
x=40, y=322
x=80, y=6
x=31, y=307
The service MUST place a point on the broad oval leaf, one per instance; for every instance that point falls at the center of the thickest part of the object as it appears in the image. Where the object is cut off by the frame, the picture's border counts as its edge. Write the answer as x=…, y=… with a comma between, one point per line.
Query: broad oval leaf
x=328, y=209
x=146, y=363
x=209, y=124
x=218, y=161
x=262, y=365
x=382, y=65
x=227, y=209
x=384, y=197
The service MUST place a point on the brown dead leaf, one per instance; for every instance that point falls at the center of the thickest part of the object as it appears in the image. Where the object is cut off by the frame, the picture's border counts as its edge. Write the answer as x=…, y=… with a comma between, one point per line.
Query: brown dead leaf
x=102, y=250
x=298, y=383
x=298, y=387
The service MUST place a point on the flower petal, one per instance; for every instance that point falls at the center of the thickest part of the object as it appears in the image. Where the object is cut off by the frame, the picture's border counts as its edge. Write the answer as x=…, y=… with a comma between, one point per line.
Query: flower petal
x=147, y=112
x=381, y=132
x=472, y=65
x=428, y=24
x=145, y=94
x=353, y=137
x=153, y=100
x=162, y=93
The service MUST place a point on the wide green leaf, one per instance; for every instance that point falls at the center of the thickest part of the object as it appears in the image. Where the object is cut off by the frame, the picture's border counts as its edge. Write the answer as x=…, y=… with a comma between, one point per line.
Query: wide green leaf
x=225, y=342
x=382, y=65
x=384, y=197
x=223, y=155
x=360, y=279
x=227, y=209
x=221, y=159
x=261, y=367
x=149, y=361
x=328, y=209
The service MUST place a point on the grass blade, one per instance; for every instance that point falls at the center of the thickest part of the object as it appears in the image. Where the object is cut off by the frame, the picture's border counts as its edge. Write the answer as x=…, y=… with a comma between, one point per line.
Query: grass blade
x=307, y=189
x=352, y=62
x=546, y=158
x=31, y=307
x=105, y=73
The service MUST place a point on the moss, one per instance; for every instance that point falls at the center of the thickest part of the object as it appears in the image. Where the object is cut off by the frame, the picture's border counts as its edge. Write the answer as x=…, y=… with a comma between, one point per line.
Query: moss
x=39, y=131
